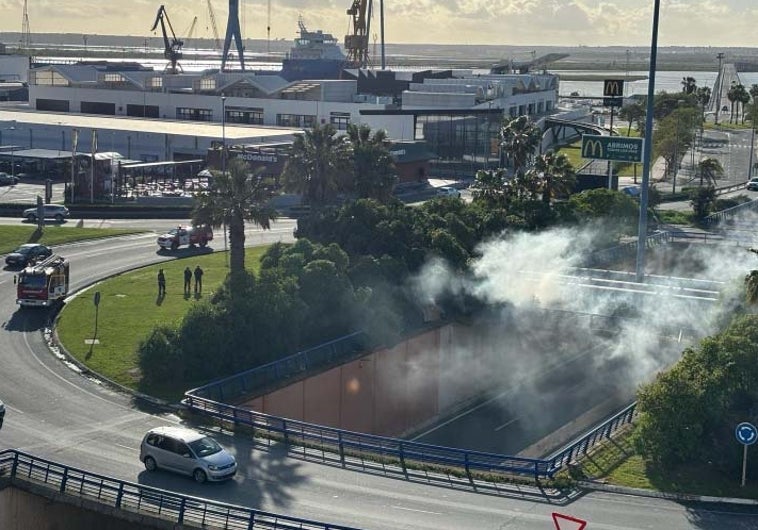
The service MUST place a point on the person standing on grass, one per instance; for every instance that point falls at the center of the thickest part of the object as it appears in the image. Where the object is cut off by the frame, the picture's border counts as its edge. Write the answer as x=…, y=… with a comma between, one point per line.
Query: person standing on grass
x=187, y=280
x=161, y=283
x=198, y=280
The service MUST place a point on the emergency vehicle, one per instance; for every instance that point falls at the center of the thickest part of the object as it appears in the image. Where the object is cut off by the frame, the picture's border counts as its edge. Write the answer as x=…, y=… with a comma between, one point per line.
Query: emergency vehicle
x=184, y=235
x=43, y=284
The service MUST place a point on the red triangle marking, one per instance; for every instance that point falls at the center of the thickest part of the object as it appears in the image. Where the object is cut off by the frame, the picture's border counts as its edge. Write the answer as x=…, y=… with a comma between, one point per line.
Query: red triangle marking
x=580, y=523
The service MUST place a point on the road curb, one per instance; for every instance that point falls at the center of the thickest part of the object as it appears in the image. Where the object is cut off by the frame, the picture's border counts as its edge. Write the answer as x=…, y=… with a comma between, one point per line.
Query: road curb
x=684, y=497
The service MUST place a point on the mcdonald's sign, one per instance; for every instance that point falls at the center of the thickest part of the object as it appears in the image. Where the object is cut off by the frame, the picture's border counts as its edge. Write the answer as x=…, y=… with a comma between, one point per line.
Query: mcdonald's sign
x=613, y=88
x=619, y=148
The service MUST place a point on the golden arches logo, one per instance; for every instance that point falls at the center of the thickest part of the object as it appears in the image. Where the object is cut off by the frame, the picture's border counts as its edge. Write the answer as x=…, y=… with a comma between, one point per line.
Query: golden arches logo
x=592, y=149
x=613, y=88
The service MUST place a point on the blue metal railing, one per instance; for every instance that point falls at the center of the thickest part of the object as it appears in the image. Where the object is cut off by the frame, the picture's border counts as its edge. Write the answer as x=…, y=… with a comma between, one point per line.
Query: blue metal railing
x=353, y=446
x=154, y=502
x=262, y=377
x=349, y=444
x=717, y=217
x=597, y=435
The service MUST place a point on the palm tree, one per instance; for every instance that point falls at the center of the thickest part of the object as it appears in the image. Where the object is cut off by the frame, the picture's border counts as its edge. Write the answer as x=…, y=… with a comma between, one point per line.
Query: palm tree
x=710, y=169
x=689, y=85
x=520, y=138
x=236, y=196
x=319, y=164
x=556, y=174
x=731, y=95
x=703, y=96
x=375, y=174
x=743, y=97
x=489, y=187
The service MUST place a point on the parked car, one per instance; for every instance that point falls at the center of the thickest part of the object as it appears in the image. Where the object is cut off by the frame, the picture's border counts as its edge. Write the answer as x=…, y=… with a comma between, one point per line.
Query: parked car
x=187, y=452
x=51, y=211
x=27, y=254
x=752, y=184
x=448, y=191
x=2, y=413
x=7, y=180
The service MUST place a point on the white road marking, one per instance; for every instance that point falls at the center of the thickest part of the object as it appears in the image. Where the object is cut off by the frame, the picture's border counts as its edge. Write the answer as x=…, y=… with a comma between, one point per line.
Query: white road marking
x=415, y=510
x=504, y=425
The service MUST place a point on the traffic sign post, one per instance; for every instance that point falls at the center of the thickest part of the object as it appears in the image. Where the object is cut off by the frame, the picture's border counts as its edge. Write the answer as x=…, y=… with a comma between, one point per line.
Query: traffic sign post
x=746, y=434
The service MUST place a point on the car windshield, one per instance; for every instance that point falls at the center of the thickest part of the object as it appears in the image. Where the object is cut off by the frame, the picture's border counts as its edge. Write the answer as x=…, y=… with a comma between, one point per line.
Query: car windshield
x=205, y=447
x=24, y=250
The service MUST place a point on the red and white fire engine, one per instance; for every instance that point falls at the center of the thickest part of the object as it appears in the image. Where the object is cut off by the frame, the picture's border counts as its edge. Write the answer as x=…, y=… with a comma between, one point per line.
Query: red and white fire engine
x=43, y=284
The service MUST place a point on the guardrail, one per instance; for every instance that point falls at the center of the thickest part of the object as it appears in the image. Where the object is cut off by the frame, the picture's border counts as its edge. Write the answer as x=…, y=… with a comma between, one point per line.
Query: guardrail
x=153, y=502
x=597, y=435
x=263, y=377
x=717, y=217
x=351, y=445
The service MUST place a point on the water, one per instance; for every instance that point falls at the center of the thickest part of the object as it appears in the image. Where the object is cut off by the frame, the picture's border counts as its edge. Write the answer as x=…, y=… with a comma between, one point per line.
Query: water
x=668, y=81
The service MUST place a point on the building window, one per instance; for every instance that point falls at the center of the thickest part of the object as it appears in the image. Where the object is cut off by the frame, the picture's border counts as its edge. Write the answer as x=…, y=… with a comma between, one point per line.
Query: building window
x=186, y=113
x=296, y=120
x=155, y=82
x=208, y=83
x=242, y=115
x=340, y=120
x=47, y=78
x=112, y=78
x=309, y=121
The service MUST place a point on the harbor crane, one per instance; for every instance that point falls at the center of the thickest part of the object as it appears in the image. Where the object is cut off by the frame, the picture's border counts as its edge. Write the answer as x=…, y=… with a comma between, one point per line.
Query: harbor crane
x=190, y=33
x=356, y=43
x=212, y=18
x=233, y=33
x=173, y=45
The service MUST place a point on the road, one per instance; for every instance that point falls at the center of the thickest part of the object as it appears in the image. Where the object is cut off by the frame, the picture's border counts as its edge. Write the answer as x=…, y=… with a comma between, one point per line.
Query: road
x=55, y=413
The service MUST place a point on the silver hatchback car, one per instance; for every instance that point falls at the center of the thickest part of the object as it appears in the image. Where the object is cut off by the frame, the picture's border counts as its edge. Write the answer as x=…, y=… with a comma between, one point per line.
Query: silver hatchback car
x=187, y=452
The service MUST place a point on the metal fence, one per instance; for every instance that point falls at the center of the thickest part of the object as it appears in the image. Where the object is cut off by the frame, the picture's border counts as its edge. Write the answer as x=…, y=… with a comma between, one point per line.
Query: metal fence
x=723, y=215
x=350, y=446
x=153, y=502
x=596, y=436
x=265, y=377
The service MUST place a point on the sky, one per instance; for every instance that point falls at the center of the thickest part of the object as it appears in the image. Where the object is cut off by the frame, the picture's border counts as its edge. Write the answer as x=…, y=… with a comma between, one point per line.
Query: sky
x=501, y=22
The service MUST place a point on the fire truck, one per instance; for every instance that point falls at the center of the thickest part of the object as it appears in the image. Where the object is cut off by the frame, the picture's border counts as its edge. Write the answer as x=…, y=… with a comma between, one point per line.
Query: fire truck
x=43, y=284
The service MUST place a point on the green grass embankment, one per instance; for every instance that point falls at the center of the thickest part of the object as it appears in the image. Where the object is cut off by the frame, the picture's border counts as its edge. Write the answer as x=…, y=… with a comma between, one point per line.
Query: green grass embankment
x=130, y=309
x=12, y=236
x=617, y=462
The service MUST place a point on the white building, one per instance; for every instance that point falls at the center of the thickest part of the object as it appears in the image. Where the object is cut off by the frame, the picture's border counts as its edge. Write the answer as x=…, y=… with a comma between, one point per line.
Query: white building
x=456, y=112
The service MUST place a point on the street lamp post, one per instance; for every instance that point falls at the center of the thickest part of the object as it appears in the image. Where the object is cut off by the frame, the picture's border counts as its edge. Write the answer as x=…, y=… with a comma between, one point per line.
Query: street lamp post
x=647, y=147
x=223, y=164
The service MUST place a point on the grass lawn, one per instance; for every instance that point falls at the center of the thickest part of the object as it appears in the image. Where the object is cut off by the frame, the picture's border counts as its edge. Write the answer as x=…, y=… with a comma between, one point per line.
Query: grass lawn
x=11, y=236
x=129, y=310
x=618, y=463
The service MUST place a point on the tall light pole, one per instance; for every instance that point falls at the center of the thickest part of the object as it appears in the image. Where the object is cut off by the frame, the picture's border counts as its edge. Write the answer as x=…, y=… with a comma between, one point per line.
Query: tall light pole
x=223, y=164
x=676, y=145
x=647, y=148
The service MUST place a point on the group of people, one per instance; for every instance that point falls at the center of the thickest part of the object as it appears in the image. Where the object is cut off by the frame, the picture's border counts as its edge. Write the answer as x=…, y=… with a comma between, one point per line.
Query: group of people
x=188, y=275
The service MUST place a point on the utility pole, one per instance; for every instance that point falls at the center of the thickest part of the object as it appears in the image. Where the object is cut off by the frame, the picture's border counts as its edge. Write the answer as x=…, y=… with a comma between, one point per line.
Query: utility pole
x=719, y=87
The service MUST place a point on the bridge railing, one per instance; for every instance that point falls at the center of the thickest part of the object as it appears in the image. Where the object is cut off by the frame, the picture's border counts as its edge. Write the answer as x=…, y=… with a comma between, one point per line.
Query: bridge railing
x=723, y=215
x=263, y=377
x=146, y=500
x=596, y=436
x=351, y=445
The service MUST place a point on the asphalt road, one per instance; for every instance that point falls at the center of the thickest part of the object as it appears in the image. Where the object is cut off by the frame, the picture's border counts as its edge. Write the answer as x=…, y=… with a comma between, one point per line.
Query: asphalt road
x=55, y=413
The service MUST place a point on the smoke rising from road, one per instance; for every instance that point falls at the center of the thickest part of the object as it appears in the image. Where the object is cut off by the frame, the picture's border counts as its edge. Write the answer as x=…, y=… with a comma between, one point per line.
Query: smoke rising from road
x=547, y=315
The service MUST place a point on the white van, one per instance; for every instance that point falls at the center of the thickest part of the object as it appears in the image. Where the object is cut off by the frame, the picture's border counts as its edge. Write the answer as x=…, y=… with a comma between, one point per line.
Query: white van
x=187, y=452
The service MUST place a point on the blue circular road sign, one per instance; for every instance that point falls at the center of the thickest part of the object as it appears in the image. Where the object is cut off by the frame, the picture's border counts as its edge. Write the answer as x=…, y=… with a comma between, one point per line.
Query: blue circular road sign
x=746, y=433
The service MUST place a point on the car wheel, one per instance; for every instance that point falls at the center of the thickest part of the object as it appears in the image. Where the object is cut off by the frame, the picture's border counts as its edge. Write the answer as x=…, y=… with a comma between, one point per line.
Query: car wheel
x=199, y=476
x=203, y=243
x=31, y=217
x=59, y=218
x=174, y=245
x=150, y=464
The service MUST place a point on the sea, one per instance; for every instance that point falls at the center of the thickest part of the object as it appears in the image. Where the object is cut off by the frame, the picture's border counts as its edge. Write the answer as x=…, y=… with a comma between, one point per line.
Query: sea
x=668, y=81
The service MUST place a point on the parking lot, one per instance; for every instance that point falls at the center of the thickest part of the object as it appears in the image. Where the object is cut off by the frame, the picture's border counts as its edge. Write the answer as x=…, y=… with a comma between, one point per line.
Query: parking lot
x=27, y=191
